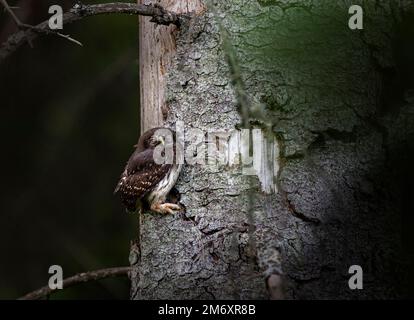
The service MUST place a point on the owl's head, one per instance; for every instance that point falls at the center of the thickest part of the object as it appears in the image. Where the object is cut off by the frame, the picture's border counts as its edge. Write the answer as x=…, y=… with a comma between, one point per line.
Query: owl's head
x=154, y=137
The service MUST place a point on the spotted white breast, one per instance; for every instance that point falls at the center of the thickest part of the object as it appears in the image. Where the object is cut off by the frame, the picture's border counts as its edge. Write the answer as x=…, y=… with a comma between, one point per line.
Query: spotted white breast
x=161, y=190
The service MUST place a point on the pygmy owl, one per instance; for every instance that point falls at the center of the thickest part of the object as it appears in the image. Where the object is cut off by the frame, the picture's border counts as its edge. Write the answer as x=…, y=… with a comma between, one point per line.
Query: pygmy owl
x=144, y=181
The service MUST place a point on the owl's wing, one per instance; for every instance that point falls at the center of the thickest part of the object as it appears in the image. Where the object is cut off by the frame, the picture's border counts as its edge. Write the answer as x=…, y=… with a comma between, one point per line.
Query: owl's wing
x=140, y=176
x=137, y=162
x=143, y=173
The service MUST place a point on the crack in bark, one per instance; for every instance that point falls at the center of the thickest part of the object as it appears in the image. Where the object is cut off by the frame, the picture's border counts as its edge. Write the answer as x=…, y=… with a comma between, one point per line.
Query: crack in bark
x=296, y=213
x=334, y=134
x=209, y=292
x=211, y=232
x=287, y=203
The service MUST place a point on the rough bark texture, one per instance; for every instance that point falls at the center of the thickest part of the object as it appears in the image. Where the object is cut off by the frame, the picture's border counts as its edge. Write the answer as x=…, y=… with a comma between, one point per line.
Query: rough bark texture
x=341, y=110
x=156, y=49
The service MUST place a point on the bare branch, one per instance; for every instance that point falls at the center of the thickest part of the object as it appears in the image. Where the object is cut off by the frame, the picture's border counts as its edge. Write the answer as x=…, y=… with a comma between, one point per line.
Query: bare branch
x=49, y=31
x=11, y=13
x=19, y=24
x=159, y=15
x=76, y=279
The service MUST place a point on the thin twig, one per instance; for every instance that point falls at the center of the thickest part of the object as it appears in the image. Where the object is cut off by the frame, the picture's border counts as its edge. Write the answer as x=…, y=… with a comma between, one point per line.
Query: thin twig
x=50, y=31
x=67, y=37
x=20, y=25
x=76, y=279
x=11, y=13
x=159, y=15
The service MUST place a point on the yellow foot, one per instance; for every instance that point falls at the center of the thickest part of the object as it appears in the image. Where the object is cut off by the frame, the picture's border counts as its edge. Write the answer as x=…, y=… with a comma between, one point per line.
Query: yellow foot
x=165, y=208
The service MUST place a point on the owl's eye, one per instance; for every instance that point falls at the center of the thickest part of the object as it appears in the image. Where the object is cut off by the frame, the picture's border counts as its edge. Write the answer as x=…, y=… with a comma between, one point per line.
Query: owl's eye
x=156, y=140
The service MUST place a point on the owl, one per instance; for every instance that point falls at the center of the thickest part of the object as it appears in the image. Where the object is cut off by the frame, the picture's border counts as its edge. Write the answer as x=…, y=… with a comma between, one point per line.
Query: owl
x=144, y=181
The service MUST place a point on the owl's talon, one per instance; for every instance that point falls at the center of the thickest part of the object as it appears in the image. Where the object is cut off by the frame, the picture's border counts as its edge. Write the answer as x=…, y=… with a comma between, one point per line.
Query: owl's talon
x=165, y=208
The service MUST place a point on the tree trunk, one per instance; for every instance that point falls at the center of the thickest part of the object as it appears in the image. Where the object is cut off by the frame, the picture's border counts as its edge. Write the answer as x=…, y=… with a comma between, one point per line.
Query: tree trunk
x=335, y=102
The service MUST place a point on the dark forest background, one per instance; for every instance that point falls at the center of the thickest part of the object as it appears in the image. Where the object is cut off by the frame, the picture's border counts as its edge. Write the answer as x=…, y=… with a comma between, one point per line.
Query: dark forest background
x=69, y=118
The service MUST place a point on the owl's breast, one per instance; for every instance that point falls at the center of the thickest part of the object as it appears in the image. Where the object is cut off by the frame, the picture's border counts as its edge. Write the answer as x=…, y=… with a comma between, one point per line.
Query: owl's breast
x=161, y=190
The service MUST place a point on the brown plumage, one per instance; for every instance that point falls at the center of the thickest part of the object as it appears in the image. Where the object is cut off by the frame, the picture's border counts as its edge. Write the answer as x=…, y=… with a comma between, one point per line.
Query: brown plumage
x=145, y=180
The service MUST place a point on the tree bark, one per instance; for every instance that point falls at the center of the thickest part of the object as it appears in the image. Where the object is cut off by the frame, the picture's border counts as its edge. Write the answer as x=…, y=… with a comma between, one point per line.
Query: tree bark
x=156, y=49
x=295, y=70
